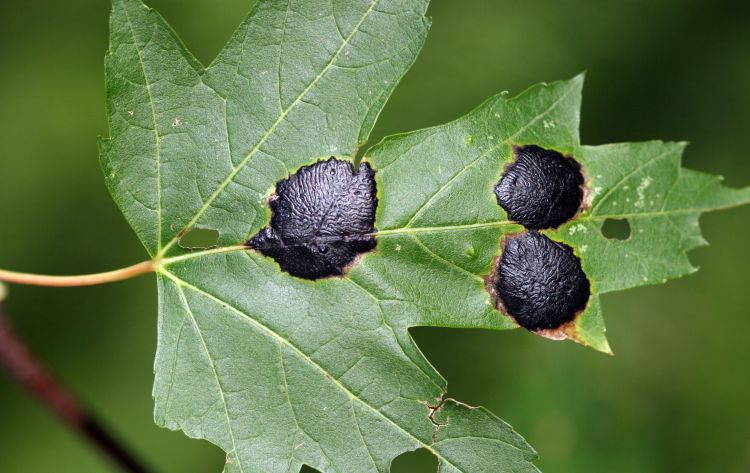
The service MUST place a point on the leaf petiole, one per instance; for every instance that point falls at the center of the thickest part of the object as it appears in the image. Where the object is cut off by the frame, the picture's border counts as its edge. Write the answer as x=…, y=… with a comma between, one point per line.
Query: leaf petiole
x=76, y=281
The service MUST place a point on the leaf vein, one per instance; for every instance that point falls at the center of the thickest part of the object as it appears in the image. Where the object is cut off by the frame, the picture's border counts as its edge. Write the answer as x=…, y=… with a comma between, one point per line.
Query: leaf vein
x=210, y=360
x=156, y=130
x=314, y=364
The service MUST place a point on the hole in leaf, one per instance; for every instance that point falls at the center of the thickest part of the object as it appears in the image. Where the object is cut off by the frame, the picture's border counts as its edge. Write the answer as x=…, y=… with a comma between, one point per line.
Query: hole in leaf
x=200, y=239
x=616, y=229
x=539, y=282
x=418, y=461
x=541, y=188
x=323, y=218
x=308, y=469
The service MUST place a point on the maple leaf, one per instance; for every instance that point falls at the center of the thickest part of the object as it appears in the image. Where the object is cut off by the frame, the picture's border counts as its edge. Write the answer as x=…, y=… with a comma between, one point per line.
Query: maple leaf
x=282, y=367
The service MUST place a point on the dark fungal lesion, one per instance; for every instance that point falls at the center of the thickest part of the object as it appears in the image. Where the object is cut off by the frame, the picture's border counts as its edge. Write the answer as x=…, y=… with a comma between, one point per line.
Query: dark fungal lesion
x=322, y=219
x=538, y=282
x=541, y=188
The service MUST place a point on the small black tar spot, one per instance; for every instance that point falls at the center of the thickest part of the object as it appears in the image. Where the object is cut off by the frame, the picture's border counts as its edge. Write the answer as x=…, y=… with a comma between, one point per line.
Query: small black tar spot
x=541, y=188
x=540, y=282
x=323, y=218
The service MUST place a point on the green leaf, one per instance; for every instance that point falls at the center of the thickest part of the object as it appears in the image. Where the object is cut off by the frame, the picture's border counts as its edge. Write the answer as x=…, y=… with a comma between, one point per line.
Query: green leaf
x=281, y=372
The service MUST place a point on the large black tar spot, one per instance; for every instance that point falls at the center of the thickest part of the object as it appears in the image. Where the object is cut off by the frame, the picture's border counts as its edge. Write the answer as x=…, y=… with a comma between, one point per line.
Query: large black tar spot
x=323, y=217
x=541, y=188
x=540, y=282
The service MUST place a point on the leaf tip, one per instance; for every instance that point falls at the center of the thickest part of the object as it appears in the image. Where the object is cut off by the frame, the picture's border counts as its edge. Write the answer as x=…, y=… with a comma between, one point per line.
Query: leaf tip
x=597, y=341
x=604, y=347
x=578, y=80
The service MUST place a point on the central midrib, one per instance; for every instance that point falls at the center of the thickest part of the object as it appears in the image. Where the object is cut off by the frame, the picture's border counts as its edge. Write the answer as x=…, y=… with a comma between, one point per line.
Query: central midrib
x=417, y=230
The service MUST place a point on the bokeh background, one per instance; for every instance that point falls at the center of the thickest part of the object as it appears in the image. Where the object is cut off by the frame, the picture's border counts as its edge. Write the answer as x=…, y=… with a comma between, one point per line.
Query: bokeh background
x=675, y=396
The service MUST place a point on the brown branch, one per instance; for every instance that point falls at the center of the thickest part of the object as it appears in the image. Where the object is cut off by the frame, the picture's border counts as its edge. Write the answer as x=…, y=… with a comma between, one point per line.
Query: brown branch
x=24, y=367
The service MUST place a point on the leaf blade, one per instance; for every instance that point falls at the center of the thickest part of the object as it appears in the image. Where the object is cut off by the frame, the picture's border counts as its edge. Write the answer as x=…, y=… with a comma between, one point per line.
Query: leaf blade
x=281, y=372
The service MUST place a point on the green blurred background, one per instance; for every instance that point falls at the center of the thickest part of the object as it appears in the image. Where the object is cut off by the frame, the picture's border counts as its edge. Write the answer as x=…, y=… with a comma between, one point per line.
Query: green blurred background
x=675, y=396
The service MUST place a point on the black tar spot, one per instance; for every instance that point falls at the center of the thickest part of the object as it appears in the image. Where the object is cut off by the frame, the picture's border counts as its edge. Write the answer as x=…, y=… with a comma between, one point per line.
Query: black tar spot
x=323, y=217
x=540, y=282
x=541, y=188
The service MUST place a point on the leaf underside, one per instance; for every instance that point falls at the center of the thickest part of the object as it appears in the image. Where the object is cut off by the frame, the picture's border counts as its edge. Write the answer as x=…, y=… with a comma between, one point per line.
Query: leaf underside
x=281, y=372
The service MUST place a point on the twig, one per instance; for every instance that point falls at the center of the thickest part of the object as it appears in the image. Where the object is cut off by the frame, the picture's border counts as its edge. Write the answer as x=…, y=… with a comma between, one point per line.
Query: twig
x=23, y=366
